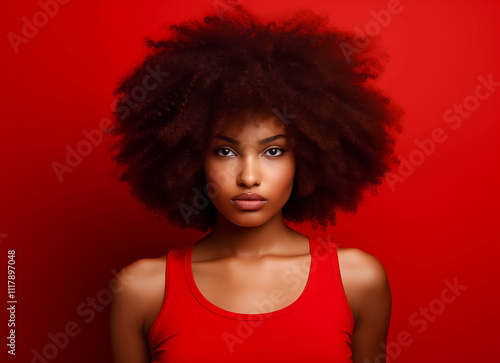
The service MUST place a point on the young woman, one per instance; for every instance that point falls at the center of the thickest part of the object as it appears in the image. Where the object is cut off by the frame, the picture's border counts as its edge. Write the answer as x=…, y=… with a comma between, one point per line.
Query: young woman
x=238, y=127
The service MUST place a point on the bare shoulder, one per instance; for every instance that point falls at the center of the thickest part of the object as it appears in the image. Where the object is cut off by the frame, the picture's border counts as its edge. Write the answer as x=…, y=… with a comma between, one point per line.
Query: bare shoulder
x=136, y=276
x=141, y=284
x=137, y=292
x=365, y=268
x=364, y=279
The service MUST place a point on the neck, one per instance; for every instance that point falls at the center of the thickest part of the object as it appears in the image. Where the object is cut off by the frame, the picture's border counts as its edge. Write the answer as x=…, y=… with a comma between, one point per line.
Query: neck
x=252, y=242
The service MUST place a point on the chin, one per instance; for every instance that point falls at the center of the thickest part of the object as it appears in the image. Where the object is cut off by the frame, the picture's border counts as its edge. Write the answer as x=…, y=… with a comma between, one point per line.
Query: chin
x=247, y=218
x=247, y=221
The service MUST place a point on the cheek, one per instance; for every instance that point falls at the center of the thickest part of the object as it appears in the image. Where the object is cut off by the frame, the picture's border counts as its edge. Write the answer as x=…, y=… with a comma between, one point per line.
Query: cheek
x=209, y=170
x=282, y=176
x=219, y=174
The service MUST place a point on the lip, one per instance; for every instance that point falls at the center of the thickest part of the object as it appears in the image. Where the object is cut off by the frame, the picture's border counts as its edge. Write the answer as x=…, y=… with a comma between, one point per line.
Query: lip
x=248, y=204
x=248, y=201
x=248, y=196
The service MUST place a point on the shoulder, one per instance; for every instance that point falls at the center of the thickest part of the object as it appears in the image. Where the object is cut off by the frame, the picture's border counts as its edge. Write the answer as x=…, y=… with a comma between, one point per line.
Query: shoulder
x=364, y=279
x=135, y=296
x=138, y=289
x=135, y=276
x=363, y=267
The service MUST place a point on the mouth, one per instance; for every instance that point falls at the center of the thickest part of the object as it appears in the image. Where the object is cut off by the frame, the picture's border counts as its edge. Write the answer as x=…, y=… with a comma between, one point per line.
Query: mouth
x=248, y=204
x=249, y=201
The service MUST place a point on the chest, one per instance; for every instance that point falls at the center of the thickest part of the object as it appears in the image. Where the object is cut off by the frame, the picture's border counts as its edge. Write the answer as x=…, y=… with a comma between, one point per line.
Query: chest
x=252, y=287
x=316, y=329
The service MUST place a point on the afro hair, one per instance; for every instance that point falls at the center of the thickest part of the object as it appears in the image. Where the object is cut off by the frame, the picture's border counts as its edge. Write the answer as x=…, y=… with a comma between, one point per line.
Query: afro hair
x=314, y=78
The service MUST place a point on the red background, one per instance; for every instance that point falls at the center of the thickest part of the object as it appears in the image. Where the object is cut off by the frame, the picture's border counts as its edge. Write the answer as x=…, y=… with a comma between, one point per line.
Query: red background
x=437, y=223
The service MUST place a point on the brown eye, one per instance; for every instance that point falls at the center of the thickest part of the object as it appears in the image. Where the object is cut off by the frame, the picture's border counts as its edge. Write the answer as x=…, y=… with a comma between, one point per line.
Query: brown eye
x=225, y=151
x=276, y=150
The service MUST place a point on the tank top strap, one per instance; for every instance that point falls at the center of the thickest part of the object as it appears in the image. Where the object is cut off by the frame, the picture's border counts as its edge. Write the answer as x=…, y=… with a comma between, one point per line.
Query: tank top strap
x=173, y=272
x=330, y=249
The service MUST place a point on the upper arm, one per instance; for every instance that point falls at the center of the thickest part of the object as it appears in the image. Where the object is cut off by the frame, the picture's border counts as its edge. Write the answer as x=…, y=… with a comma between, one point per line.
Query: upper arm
x=370, y=297
x=127, y=314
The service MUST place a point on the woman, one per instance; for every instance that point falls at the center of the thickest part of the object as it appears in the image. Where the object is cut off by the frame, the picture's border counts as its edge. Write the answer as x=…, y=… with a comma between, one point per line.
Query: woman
x=254, y=125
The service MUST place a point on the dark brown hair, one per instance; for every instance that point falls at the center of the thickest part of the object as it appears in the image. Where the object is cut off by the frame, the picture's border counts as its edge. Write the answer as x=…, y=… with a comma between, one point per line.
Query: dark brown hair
x=340, y=127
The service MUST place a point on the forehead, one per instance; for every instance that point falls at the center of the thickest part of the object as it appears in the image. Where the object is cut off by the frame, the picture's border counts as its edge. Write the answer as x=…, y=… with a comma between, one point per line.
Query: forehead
x=252, y=124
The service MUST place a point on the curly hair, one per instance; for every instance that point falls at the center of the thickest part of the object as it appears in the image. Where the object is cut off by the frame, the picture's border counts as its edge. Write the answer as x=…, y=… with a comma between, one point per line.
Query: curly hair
x=341, y=129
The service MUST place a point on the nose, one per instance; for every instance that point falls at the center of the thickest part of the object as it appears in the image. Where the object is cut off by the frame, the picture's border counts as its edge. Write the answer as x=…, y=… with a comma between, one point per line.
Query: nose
x=250, y=173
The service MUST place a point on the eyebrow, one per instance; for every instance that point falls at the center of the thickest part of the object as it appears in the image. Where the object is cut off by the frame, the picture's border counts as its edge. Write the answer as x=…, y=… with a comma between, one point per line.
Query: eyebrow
x=263, y=141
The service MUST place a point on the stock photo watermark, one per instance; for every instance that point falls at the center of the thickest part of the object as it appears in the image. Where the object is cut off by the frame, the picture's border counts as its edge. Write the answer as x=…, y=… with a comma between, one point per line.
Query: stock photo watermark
x=11, y=301
x=94, y=137
x=31, y=27
x=294, y=275
x=222, y=7
x=453, y=117
x=420, y=319
x=87, y=310
x=381, y=19
x=285, y=117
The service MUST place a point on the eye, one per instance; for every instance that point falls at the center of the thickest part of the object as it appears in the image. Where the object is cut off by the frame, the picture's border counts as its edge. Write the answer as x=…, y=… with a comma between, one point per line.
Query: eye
x=275, y=150
x=225, y=151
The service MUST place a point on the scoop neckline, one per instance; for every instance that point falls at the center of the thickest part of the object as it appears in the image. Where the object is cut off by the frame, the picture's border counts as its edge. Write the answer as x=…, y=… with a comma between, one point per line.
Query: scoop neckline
x=244, y=316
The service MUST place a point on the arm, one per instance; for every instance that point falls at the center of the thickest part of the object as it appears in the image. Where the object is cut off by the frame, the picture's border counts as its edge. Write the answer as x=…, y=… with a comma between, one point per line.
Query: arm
x=127, y=313
x=369, y=295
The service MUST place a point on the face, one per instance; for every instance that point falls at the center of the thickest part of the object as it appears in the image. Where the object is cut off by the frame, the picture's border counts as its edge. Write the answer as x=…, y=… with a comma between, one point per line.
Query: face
x=253, y=158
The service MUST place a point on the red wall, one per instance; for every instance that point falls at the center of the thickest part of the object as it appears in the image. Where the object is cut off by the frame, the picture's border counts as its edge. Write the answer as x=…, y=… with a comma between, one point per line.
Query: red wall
x=432, y=224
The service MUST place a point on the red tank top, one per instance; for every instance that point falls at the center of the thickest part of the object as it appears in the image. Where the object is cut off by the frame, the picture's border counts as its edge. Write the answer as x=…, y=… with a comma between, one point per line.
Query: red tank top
x=317, y=327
